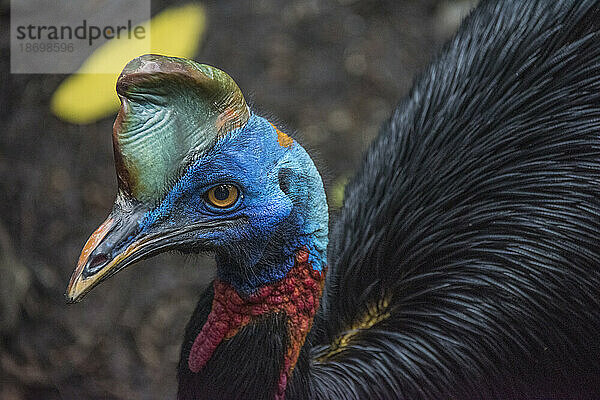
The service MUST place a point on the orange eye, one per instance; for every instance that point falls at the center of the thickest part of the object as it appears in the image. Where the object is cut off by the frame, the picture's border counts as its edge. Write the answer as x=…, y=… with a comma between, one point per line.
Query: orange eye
x=222, y=196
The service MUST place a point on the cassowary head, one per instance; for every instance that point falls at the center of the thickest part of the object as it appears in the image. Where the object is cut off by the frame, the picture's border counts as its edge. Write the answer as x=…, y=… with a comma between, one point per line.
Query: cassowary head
x=198, y=171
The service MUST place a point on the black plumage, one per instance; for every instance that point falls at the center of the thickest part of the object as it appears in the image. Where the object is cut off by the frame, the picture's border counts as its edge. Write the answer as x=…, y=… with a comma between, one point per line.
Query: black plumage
x=467, y=248
x=476, y=211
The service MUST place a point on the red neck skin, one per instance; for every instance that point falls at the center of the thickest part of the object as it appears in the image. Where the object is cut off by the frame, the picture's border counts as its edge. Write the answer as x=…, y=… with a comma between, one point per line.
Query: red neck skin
x=296, y=295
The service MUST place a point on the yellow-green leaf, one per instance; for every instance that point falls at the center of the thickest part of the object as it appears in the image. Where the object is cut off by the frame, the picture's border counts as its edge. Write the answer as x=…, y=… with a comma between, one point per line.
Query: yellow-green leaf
x=336, y=195
x=89, y=94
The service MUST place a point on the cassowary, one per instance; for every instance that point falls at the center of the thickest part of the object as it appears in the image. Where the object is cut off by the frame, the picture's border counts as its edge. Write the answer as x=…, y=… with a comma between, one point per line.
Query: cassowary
x=465, y=262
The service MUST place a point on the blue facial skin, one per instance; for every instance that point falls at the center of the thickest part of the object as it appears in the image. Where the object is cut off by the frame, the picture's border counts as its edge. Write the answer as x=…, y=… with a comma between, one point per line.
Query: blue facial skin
x=282, y=203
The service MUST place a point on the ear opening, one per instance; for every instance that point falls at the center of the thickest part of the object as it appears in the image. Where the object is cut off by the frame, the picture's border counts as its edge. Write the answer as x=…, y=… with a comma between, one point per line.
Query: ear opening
x=284, y=176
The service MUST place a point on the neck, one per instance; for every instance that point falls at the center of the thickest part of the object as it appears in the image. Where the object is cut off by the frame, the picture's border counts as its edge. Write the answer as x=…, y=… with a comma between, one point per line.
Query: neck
x=246, y=334
x=295, y=299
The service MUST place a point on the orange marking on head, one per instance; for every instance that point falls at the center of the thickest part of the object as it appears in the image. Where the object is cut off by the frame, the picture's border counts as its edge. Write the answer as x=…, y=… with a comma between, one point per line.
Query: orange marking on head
x=283, y=139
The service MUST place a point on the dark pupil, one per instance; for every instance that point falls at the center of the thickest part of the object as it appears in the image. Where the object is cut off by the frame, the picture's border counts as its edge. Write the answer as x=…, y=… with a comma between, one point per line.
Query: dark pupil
x=221, y=192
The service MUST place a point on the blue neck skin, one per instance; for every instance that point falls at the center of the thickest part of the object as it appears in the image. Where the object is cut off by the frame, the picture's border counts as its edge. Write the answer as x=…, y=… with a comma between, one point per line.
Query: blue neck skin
x=283, y=203
x=295, y=177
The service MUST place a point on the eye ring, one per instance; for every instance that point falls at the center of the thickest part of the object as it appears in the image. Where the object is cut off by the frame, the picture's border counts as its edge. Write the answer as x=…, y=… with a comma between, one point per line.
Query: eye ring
x=223, y=195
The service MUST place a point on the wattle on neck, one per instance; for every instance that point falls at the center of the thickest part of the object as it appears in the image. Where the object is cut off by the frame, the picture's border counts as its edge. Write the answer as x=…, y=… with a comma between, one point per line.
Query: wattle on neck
x=295, y=297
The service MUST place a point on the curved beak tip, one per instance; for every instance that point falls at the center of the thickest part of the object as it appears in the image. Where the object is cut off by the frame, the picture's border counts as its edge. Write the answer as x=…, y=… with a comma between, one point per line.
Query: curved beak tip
x=71, y=299
x=76, y=289
x=79, y=285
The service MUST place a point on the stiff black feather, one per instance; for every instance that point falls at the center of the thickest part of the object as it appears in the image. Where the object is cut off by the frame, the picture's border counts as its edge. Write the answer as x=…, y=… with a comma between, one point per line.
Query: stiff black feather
x=477, y=214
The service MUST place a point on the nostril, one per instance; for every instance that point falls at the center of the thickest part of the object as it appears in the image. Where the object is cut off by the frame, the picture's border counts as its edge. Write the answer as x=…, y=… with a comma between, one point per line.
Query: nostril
x=97, y=261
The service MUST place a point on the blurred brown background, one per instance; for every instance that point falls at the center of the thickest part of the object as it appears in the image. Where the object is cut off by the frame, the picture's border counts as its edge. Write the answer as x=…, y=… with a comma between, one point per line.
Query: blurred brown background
x=330, y=70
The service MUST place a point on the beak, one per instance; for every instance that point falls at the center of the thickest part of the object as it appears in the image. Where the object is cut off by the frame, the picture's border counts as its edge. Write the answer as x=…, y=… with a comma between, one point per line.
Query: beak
x=120, y=242
x=108, y=250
